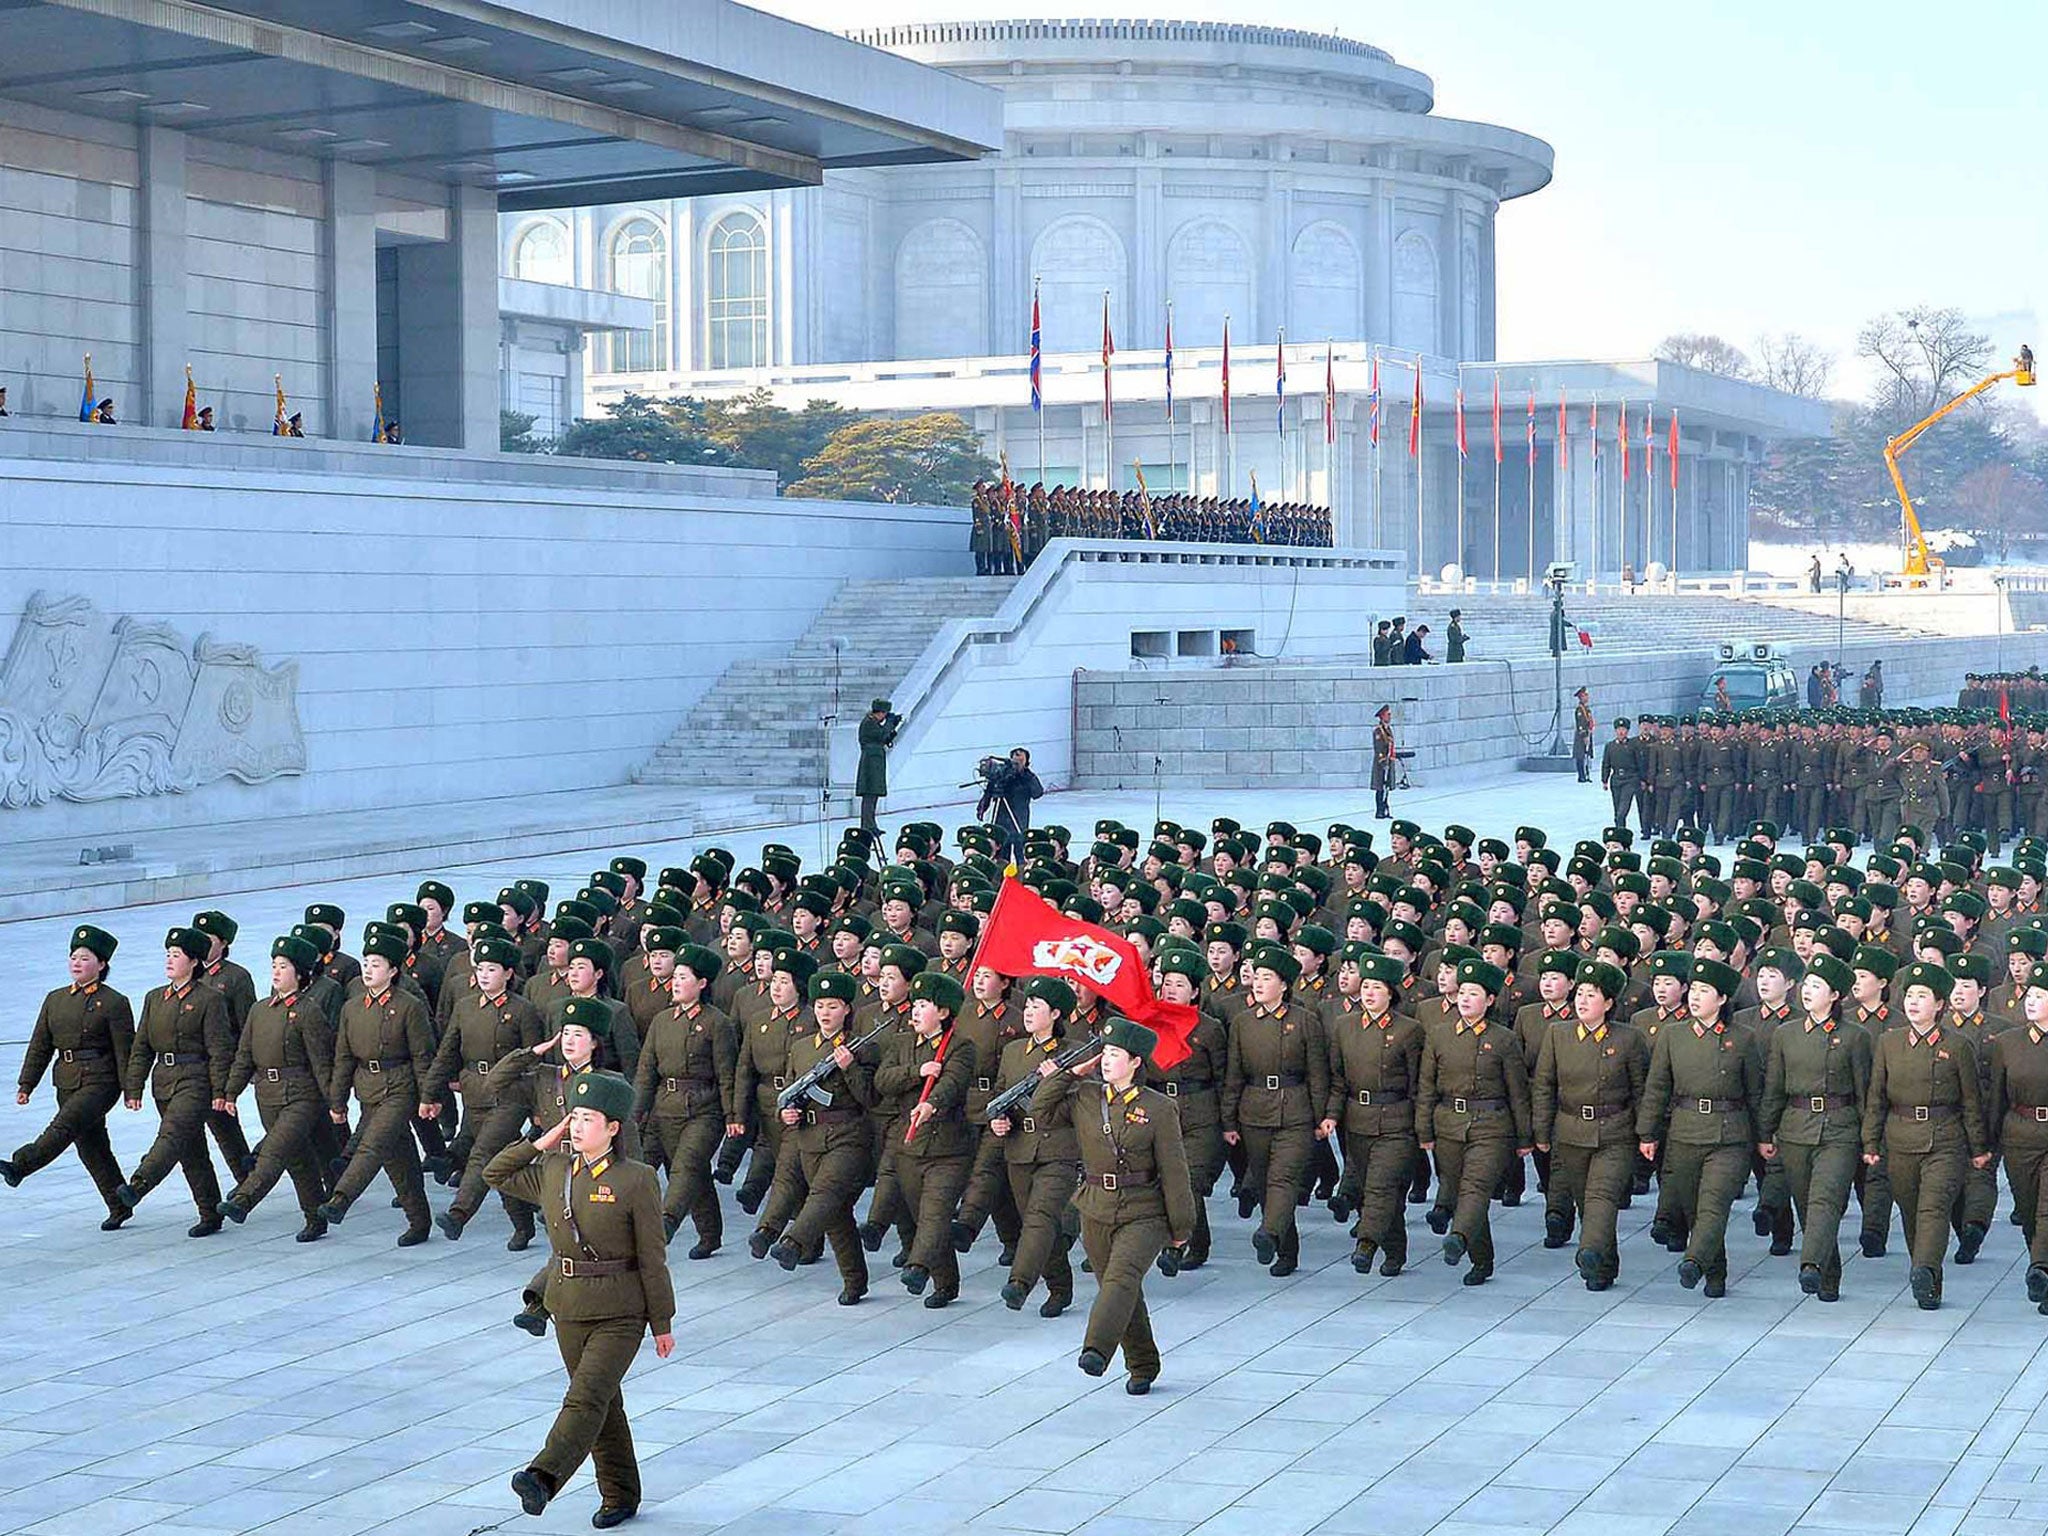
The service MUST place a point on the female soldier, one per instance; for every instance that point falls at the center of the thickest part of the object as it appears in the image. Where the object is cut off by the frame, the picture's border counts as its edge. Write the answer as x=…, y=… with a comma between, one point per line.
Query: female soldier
x=1276, y=1079
x=1135, y=1198
x=1705, y=1078
x=486, y=1023
x=2018, y=1116
x=1925, y=1118
x=683, y=1084
x=1589, y=1080
x=87, y=1029
x=1811, y=1119
x=1040, y=1159
x=384, y=1041
x=1473, y=1111
x=285, y=1050
x=1375, y=1070
x=187, y=1046
x=607, y=1283
x=1195, y=1085
x=930, y=1141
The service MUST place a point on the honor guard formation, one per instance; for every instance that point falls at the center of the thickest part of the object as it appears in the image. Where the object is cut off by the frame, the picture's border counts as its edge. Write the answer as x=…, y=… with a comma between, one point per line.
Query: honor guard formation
x=1008, y=530
x=1852, y=1010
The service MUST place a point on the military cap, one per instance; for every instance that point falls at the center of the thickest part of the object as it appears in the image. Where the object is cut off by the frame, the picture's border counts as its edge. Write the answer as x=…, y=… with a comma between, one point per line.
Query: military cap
x=1056, y=994
x=1271, y=957
x=536, y=891
x=796, y=964
x=773, y=938
x=1718, y=974
x=1183, y=960
x=2027, y=941
x=851, y=922
x=1557, y=962
x=1506, y=935
x=783, y=866
x=1611, y=980
x=218, y=925
x=1566, y=912
x=101, y=943
x=1767, y=830
x=436, y=890
x=1935, y=978
x=315, y=935
x=1397, y=931
x=1653, y=917
x=328, y=915
x=1125, y=837
x=1880, y=893
x=1225, y=826
x=701, y=961
x=1482, y=974
x=2003, y=875
x=1316, y=938
x=481, y=912
x=832, y=984
x=492, y=950
x=966, y=924
x=1876, y=959
x=302, y=956
x=1838, y=942
x=663, y=937
x=1384, y=969
x=1600, y=902
x=1086, y=908
x=937, y=988
x=1128, y=1036
x=1936, y=936
x=610, y=882
x=1975, y=968
x=1833, y=970
x=904, y=958
x=1189, y=911
x=606, y=1092
x=378, y=939
x=1281, y=829
x=596, y=951
x=1462, y=835
x=755, y=925
x=1225, y=933
x=1671, y=962
x=1403, y=828
x=2037, y=976
x=591, y=1013
x=1845, y=874
x=1147, y=927
x=1747, y=928
x=1621, y=941
x=1968, y=903
x=1717, y=933
x=1621, y=836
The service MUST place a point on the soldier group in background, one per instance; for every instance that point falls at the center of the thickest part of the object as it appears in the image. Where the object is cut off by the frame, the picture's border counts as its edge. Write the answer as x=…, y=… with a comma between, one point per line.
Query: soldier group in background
x=2022, y=691
x=1064, y=511
x=1968, y=769
x=1836, y=1016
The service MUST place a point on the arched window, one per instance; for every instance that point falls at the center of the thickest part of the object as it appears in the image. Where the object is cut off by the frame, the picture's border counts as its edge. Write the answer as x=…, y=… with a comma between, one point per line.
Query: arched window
x=1468, y=299
x=941, y=292
x=1326, y=284
x=1415, y=290
x=736, y=292
x=636, y=264
x=1075, y=258
x=541, y=253
x=1208, y=276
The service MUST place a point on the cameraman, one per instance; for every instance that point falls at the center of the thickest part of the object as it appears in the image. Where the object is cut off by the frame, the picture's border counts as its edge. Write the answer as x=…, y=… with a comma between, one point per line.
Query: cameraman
x=1008, y=789
x=878, y=730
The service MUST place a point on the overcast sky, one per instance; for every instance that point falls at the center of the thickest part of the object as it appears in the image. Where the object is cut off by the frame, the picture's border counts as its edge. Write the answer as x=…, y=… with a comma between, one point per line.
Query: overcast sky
x=1732, y=167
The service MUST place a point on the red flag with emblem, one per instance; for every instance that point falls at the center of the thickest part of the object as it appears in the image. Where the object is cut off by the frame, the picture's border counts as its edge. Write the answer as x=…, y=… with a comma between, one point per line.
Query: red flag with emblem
x=1026, y=935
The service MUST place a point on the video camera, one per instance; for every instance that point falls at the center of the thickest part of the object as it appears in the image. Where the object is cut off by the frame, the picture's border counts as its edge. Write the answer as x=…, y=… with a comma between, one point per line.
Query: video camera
x=993, y=773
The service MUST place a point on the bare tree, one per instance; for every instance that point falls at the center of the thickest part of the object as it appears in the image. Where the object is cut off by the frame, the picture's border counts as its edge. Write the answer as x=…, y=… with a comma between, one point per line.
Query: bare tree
x=1789, y=362
x=1924, y=355
x=1710, y=354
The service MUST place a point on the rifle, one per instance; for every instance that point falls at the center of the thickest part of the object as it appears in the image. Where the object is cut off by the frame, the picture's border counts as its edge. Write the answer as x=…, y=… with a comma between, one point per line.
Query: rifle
x=806, y=1086
x=1000, y=1106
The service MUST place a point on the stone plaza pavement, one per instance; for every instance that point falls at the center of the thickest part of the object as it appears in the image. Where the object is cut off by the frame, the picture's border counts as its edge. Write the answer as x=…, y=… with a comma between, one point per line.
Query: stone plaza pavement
x=246, y=1383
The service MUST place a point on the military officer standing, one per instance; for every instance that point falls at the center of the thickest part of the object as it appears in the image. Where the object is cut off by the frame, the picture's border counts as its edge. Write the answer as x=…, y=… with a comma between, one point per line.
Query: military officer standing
x=1582, y=736
x=1621, y=773
x=1384, y=764
x=87, y=1030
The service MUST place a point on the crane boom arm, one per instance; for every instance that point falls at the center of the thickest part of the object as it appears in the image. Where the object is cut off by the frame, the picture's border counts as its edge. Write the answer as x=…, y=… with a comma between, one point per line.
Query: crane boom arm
x=1916, y=555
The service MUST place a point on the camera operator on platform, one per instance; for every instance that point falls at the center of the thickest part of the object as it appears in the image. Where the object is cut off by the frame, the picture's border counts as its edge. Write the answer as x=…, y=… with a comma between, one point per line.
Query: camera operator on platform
x=1008, y=788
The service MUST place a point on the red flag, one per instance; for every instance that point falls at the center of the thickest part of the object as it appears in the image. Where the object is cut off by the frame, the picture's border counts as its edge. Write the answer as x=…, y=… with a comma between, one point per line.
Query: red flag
x=1564, y=441
x=1649, y=445
x=1226, y=373
x=1415, y=414
x=1496, y=418
x=1330, y=392
x=1593, y=434
x=1621, y=436
x=1461, y=425
x=1108, y=351
x=1532, y=426
x=2004, y=707
x=1026, y=935
x=1674, y=450
x=1586, y=639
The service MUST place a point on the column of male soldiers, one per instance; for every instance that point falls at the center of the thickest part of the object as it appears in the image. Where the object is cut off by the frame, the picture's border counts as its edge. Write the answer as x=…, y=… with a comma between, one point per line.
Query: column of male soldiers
x=1003, y=546
x=1949, y=770
x=1830, y=1016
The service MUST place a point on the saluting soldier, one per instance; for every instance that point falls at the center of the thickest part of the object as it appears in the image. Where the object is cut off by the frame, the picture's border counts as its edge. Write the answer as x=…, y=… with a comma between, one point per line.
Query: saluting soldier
x=86, y=1031
x=287, y=1045
x=485, y=1026
x=186, y=1045
x=1135, y=1202
x=1925, y=1118
x=607, y=1284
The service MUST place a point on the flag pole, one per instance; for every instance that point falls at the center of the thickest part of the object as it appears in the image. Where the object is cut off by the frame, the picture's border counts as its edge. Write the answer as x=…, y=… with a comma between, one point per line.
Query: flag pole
x=1532, y=495
x=1037, y=349
x=1458, y=549
x=1496, y=479
x=1418, y=466
x=1108, y=405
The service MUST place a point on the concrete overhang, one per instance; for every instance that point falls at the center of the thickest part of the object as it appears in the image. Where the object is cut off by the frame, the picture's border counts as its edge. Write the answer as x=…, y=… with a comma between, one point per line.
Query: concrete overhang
x=581, y=309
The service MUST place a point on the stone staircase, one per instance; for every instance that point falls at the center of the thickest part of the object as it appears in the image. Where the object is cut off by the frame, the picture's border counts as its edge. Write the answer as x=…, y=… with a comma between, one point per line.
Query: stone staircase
x=1517, y=626
x=757, y=730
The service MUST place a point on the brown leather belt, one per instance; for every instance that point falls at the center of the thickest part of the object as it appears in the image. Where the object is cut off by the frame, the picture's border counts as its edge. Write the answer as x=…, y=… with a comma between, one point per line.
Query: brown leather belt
x=1718, y=1106
x=2029, y=1111
x=678, y=1084
x=1821, y=1103
x=1925, y=1111
x=1476, y=1106
x=84, y=1053
x=832, y=1116
x=1113, y=1182
x=593, y=1269
x=1373, y=1099
x=1596, y=1111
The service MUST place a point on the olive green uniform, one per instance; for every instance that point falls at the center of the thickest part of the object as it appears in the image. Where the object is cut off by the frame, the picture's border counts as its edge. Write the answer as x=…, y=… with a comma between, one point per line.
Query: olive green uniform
x=82, y=1037
x=285, y=1042
x=1375, y=1070
x=1276, y=1080
x=1196, y=1087
x=186, y=1046
x=932, y=1166
x=1816, y=1078
x=1041, y=1162
x=1473, y=1110
x=1925, y=1115
x=2017, y=1117
x=682, y=1089
x=608, y=1284
x=382, y=1045
x=826, y=1160
x=1705, y=1082
x=481, y=1033
x=1584, y=1095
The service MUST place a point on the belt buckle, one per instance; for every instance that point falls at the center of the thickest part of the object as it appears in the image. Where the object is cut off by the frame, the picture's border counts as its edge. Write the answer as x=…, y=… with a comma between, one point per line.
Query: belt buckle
x=1920, y=1112
x=66, y=1057
x=374, y=1065
x=1029, y=1124
x=481, y=1068
x=984, y=1084
x=2041, y=1113
x=167, y=1058
x=779, y=1082
x=1458, y=1107
x=1273, y=1083
x=1172, y=1090
x=810, y=1117
x=1365, y=1097
x=1109, y=1182
x=1706, y=1106
x=273, y=1075
x=568, y=1267
x=1818, y=1103
x=1585, y=1111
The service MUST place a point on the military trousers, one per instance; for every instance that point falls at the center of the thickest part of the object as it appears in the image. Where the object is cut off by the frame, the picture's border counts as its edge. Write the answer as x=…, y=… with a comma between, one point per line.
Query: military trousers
x=1720, y=810
x=988, y=1193
x=384, y=1141
x=2025, y=1167
x=1977, y=1200
x=1205, y=1152
x=181, y=1142
x=1623, y=794
x=1594, y=1181
x=489, y=1132
x=592, y=1420
x=1470, y=1171
x=1885, y=820
x=1809, y=805
x=931, y=1189
x=767, y=1147
x=1874, y=1197
x=1043, y=1192
x=1705, y=1180
x=1925, y=1186
x=1818, y=1179
x=227, y=1135
x=1276, y=1169
x=818, y=1189
x=1773, y=1196
x=286, y=1148
x=1381, y=1165
x=81, y=1122
x=689, y=1142
x=1119, y=1254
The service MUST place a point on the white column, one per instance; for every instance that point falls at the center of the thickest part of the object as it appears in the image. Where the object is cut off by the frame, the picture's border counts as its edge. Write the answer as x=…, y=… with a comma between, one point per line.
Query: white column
x=161, y=282
x=351, y=319
x=448, y=328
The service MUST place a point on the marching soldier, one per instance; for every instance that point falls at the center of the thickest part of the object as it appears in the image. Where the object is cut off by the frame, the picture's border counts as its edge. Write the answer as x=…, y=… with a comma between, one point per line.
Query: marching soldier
x=2017, y=1114
x=286, y=1049
x=1040, y=1159
x=1276, y=1079
x=486, y=1025
x=684, y=1087
x=87, y=1030
x=1584, y=1095
x=1375, y=1073
x=928, y=1069
x=1621, y=774
x=1472, y=1112
x=186, y=1045
x=385, y=1040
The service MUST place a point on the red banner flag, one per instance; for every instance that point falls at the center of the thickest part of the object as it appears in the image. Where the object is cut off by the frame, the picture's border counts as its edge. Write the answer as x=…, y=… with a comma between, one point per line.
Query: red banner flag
x=1226, y=373
x=1461, y=425
x=1564, y=438
x=1026, y=935
x=1621, y=437
x=1674, y=450
x=1496, y=418
x=1108, y=351
x=1415, y=414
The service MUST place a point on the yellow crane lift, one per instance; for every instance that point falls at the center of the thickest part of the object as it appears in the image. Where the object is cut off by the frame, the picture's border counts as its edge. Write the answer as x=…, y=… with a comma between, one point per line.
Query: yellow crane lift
x=1918, y=562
